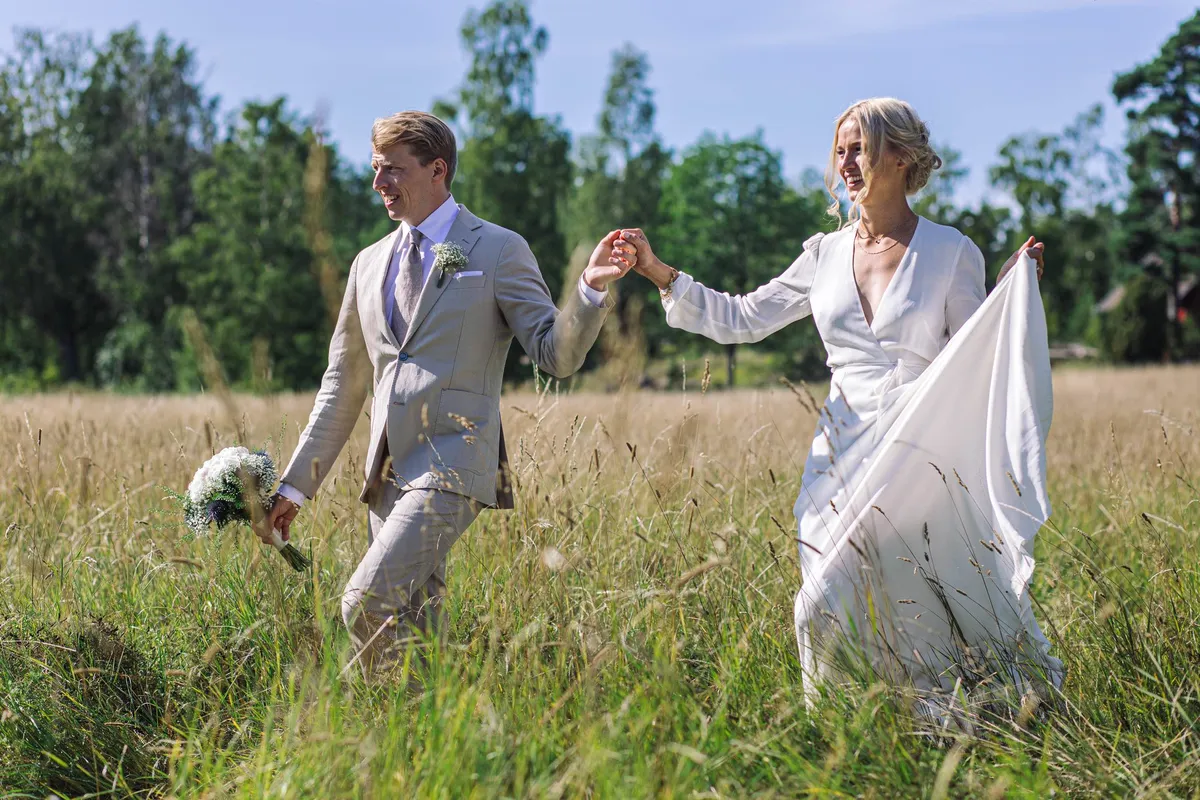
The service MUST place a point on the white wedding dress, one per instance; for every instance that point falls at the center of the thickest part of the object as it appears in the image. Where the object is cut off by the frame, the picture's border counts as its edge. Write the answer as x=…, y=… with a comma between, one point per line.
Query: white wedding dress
x=925, y=481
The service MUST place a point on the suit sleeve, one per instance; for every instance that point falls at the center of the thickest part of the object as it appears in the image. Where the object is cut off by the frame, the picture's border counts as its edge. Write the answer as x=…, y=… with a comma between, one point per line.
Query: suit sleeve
x=344, y=389
x=557, y=340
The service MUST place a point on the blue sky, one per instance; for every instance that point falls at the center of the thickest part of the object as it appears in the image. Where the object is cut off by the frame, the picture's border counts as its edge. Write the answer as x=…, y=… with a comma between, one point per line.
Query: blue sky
x=976, y=70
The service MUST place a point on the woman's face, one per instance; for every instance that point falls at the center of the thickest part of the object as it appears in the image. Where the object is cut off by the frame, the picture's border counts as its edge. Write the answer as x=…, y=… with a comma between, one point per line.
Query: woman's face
x=852, y=162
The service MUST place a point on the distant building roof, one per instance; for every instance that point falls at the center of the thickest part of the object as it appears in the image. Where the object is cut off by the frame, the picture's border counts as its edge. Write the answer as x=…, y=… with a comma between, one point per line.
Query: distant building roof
x=1113, y=299
x=1072, y=351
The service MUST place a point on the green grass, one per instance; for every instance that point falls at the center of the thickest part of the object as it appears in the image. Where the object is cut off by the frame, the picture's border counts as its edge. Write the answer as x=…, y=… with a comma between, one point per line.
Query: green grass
x=658, y=661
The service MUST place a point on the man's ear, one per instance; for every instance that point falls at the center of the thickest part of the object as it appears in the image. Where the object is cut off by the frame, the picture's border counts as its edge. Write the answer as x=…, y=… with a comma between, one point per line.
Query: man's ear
x=440, y=170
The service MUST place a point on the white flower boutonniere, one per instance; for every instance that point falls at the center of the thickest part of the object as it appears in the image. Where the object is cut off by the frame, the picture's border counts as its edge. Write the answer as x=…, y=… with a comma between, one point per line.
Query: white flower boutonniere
x=448, y=258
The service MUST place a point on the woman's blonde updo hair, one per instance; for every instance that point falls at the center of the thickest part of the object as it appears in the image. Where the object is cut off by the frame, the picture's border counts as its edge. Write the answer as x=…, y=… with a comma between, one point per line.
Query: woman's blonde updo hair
x=884, y=122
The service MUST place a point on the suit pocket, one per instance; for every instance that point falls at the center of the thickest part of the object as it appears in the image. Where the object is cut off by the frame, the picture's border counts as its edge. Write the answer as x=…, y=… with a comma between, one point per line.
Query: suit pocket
x=464, y=433
x=468, y=280
x=465, y=414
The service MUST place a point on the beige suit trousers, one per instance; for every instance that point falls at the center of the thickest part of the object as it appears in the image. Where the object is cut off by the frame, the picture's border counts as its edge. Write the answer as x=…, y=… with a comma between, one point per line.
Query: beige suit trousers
x=395, y=594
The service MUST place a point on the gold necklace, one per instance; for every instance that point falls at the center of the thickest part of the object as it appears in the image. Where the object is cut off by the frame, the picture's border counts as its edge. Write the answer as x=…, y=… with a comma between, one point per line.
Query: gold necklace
x=877, y=252
x=877, y=239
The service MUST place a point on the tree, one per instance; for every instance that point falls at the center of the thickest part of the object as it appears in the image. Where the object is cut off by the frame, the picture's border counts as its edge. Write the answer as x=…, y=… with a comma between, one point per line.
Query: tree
x=989, y=226
x=731, y=220
x=249, y=264
x=1065, y=186
x=115, y=213
x=101, y=145
x=1135, y=331
x=50, y=300
x=514, y=166
x=627, y=130
x=936, y=200
x=621, y=168
x=148, y=128
x=1162, y=98
x=619, y=176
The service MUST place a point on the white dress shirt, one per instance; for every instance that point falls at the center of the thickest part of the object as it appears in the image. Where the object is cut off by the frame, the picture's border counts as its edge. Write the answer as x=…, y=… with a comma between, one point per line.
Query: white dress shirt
x=435, y=228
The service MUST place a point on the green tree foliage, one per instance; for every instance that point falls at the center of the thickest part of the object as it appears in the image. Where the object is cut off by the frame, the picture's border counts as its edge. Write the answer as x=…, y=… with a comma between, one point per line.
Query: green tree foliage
x=1162, y=97
x=732, y=221
x=988, y=225
x=1065, y=186
x=119, y=210
x=249, y=265
x=127, y=209
x=54, y=309
x=622, y=167
x=1136, y=330
x=514, y=166
x=618, y=182
x=147, y=128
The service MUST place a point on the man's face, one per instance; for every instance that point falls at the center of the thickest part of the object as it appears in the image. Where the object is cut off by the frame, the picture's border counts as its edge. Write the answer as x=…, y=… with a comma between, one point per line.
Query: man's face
x=405, y=185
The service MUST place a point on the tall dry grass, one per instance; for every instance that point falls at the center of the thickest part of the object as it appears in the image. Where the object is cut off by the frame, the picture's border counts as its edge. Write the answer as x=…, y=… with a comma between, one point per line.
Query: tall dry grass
x=626, y=632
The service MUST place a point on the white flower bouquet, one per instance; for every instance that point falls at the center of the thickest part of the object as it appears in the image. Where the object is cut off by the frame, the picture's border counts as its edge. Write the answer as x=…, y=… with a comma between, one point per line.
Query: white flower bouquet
x=235, y=485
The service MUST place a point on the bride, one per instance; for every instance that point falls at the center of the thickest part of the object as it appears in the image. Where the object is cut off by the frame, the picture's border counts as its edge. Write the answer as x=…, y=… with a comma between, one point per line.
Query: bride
x=925, y=480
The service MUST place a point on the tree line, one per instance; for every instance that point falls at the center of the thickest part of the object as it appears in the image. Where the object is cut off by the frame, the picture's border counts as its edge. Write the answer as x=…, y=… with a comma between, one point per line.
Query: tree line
x=144, y=233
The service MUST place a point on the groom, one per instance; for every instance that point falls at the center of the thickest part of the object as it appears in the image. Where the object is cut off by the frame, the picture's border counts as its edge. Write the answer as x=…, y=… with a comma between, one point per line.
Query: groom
x=426, y=322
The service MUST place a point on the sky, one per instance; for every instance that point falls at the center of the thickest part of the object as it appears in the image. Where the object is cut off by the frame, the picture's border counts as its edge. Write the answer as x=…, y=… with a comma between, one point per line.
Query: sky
x=978, y=71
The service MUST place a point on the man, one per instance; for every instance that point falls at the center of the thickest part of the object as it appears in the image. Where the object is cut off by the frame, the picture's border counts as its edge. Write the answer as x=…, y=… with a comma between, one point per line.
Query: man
x=431, y=333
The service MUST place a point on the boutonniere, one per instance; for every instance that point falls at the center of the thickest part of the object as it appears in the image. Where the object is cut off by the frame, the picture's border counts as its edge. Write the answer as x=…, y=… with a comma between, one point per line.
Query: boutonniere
x=448, y=258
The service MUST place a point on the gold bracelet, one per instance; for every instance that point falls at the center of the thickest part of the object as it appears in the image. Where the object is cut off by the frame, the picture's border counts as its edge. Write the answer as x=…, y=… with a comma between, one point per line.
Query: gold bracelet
x=665, y=291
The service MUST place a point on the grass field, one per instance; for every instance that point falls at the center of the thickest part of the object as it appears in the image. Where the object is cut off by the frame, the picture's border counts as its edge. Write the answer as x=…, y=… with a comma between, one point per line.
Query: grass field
x=626, y=632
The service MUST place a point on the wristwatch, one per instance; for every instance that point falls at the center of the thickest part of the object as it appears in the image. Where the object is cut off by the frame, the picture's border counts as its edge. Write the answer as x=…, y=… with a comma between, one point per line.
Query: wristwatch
x=665, y=291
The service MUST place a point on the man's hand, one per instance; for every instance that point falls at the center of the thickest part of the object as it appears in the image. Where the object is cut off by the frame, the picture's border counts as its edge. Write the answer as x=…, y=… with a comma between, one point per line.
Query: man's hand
x=279, y=518
x=611, y=259
x=647, y=263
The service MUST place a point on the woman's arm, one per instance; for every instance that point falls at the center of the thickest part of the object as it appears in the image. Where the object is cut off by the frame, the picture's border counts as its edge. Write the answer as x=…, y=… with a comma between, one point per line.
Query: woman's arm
x=725, y=318
x=967, y=291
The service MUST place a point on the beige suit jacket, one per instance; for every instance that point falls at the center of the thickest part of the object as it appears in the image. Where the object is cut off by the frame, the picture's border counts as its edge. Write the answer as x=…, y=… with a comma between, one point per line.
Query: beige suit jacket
x=436, y=404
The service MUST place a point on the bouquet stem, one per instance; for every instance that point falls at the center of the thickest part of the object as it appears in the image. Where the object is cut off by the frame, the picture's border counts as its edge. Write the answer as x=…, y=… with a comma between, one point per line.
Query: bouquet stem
x=293, y=556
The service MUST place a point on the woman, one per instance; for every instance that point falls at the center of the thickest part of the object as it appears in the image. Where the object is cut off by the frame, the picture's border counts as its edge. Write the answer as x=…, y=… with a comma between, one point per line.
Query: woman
x=943, y=549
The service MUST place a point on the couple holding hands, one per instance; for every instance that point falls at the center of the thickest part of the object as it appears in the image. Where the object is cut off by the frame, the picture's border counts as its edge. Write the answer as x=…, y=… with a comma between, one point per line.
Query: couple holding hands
x=430, y=311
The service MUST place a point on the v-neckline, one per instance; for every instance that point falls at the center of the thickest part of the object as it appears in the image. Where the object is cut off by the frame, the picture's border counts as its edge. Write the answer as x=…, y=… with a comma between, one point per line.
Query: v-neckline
x=904, y=259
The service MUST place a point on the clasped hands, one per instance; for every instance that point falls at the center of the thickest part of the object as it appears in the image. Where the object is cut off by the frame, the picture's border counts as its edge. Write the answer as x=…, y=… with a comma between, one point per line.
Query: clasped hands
x=647, y=264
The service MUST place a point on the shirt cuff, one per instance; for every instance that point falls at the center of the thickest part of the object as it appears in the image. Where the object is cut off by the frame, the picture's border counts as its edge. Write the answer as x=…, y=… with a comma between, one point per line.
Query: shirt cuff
x=292, y=493
x=679, y=288
x=591, y=295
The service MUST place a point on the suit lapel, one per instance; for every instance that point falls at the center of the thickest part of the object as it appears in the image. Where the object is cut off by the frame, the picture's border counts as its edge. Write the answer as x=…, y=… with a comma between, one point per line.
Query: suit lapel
x=383, y=263
x=465, y=233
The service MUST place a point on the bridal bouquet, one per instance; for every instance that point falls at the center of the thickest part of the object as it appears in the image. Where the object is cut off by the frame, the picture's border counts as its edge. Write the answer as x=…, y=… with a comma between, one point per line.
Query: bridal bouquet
x=235, y=486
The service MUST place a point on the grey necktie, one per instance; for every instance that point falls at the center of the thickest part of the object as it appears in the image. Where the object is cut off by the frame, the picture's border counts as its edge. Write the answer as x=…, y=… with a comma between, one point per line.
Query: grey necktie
x=409, y=280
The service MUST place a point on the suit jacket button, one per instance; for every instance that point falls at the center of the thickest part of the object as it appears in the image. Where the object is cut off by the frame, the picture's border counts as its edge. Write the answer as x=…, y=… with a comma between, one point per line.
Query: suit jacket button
x=404, y=356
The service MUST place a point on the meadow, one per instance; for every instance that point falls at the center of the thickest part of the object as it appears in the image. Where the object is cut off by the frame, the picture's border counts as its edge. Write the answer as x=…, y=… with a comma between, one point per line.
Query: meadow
x=625, y=632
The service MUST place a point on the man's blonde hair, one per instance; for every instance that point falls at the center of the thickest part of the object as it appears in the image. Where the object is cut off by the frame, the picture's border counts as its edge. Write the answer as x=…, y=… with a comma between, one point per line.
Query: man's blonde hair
x=426, y=136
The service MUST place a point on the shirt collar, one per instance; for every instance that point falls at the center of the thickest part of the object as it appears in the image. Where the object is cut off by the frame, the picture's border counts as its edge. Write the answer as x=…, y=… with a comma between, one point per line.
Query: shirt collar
x=436, y=227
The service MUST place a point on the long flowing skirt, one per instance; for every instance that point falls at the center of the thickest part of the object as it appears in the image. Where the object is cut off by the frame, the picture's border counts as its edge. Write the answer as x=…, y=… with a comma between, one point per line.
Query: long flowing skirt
x=917, y=551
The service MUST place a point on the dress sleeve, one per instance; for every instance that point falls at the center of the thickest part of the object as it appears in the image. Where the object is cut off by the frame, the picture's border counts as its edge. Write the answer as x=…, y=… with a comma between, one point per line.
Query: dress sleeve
x=741, y=319
x=967, y=291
